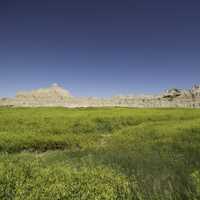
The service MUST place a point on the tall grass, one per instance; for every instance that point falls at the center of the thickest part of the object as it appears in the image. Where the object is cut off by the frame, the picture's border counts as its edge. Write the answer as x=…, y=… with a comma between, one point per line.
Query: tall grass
x=111, y=153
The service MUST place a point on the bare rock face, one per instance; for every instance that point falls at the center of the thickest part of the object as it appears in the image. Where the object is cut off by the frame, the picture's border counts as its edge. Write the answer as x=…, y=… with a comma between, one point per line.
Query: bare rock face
x=177, y=94
x=172, y=93
x=196, y=90
x=54, y=92
x=55, y=95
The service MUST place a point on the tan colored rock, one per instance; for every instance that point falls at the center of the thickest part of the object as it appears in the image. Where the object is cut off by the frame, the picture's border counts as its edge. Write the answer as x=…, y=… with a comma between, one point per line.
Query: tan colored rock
x=55, y=95
x=53, y=92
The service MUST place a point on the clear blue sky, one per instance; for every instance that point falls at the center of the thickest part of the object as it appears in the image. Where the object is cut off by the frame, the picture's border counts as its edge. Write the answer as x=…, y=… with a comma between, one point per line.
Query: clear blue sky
x=99, y=47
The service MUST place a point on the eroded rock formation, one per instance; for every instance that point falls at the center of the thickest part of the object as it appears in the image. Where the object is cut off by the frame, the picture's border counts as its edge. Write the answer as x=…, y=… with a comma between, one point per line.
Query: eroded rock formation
x=55, y=95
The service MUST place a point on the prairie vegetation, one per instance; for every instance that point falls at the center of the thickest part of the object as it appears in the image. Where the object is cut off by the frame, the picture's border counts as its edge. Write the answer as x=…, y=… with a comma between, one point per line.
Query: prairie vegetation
x=99, y=153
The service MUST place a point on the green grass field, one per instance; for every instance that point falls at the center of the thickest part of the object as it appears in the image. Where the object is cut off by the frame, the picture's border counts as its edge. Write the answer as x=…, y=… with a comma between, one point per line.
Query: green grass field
x=99, y=154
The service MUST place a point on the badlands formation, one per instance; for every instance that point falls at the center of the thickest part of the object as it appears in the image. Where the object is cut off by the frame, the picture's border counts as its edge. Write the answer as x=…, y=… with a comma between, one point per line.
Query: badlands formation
x=55, y=95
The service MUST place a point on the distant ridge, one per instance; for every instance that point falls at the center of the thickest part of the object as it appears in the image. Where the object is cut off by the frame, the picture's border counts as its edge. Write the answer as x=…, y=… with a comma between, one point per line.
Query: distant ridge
x=55, y=95
x=53, y=91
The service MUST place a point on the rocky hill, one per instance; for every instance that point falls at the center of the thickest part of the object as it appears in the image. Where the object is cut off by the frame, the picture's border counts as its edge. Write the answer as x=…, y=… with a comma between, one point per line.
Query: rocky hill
x=54, y=92
x=55, y=95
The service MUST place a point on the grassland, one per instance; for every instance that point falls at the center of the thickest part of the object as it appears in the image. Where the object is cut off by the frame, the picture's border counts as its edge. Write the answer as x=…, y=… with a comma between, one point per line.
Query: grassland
x=99, y=154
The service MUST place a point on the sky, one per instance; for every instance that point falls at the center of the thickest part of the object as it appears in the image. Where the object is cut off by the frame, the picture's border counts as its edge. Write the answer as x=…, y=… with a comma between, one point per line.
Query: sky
x=99, y=47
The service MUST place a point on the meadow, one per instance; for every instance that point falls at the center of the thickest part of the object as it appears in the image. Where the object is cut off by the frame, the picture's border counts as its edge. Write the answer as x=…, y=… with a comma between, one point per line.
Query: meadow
x=99, y=154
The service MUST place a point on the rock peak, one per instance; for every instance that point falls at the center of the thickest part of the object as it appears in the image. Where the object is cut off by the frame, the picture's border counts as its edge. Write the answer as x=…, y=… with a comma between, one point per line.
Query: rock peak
x=55, y=85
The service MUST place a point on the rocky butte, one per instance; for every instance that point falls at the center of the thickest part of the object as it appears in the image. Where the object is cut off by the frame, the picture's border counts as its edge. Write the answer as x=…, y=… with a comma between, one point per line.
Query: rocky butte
x=55, y=95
